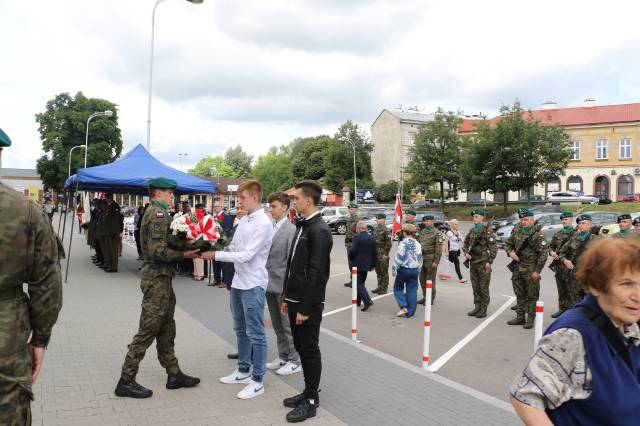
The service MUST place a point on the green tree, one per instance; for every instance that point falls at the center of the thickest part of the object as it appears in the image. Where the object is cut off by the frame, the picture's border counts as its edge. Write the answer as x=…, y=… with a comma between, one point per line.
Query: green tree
x=436, y=153
x=339, y=161
x=273, y=170
x=387, y=191
x=63, y=125
x=308, y=157
x=211, y=166
x=239, y=161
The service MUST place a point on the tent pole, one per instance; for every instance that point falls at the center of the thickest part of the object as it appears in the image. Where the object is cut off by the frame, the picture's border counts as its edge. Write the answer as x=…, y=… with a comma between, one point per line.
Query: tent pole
x=59, y=221
x=66, y=275
x=64, y=224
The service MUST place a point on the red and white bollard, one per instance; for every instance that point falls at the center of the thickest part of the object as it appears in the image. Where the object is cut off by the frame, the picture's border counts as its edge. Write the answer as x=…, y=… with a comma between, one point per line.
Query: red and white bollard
x=537, y=335
x=354, y=304
x=427, y=326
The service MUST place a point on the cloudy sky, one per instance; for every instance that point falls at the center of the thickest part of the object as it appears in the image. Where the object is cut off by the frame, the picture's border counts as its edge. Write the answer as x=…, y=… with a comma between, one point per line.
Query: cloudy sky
x=260, y=73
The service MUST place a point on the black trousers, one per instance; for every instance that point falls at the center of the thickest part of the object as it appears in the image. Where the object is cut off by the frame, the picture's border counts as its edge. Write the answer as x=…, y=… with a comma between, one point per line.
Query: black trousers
x=363, y=294
x=136, y=235
x=454, y=257
x=306, y=341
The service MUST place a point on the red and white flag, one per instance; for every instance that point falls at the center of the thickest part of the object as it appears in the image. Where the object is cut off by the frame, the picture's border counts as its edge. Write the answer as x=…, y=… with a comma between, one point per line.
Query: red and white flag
x=397, y=217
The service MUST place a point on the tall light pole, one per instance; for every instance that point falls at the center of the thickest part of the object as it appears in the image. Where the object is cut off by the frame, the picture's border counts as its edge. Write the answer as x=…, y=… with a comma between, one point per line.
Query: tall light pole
x=106, y=113
x=355, y=178
x=153, y=26
x=70, y=151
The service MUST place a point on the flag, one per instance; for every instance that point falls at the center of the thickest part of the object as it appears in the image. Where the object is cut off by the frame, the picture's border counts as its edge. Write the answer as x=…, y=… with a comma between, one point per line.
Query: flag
x=397, y=216
x=86, y=209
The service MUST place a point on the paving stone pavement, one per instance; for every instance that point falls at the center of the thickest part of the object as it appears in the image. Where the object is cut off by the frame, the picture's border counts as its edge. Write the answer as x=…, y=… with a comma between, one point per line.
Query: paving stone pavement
x=83, y=361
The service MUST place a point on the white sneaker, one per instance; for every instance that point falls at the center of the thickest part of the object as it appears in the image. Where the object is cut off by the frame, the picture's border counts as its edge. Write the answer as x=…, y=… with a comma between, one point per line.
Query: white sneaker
x=252, y=390
x=403, y=312
x=275, y=364
x=289, y=368
x=462, y=281
x=236, y=377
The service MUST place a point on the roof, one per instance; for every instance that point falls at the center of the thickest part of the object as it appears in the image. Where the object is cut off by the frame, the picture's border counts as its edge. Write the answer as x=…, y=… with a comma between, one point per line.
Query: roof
x=222, y=183
x=25, y=173
x=572, y=117
x=411, y=117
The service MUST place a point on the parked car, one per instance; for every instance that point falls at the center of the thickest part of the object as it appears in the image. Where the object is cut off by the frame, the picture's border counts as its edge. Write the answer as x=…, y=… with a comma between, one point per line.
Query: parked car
x=513, y=219
x=602, y=199
x=479, y=202
x=531, y=198
x=570, y=197
x=633, y=198
x=336, y=218
x=551, y=223
x=427, y=202
x=612, y=228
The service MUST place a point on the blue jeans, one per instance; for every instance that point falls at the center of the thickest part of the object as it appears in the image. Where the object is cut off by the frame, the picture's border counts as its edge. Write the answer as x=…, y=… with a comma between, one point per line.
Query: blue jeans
x=247, y=309
x=405, y=289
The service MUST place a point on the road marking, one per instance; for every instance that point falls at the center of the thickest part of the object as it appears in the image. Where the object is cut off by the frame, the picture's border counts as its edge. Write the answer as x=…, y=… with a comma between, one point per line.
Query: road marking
x=462, y=343
x=335, y=311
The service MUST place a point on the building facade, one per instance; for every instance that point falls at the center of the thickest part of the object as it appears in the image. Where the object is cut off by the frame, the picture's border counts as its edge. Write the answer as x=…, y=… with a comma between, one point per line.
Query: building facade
x=26, y=181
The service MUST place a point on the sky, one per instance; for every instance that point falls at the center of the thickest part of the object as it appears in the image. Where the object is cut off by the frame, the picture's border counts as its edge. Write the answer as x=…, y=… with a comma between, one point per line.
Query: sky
x=261, y=73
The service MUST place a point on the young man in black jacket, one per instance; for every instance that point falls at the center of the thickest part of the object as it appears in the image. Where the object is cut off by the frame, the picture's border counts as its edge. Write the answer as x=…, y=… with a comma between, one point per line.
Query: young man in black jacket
x=304, y=290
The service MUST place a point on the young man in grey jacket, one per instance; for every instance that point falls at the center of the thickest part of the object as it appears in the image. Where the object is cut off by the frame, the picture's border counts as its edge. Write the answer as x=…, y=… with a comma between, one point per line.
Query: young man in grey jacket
x=288, y=360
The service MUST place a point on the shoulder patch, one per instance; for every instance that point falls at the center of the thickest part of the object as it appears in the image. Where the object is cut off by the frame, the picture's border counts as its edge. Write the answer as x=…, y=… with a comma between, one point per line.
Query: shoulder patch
x=159, y=214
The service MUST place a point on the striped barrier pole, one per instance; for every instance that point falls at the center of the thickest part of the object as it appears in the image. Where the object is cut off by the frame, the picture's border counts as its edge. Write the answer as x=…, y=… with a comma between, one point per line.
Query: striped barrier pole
x=537, y=335
x=427, y=326
x=354, y=304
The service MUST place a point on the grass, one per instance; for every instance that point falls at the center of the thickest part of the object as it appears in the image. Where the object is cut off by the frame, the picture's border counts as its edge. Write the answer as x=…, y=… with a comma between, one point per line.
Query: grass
x=464, y=212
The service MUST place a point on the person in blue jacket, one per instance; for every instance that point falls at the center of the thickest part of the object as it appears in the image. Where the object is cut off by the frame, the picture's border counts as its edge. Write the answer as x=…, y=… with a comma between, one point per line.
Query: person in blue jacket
x=363, y=255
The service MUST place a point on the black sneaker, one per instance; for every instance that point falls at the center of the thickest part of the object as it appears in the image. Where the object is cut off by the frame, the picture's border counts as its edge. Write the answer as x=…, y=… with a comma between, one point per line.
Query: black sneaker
x=303, y=411
x=132, y=390
x=181, y=380
x=347, y=284
x=293, y=401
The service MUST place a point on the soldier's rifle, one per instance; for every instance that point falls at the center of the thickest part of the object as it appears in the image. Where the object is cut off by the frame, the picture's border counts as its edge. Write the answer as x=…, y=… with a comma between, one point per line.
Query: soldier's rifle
x=513, y=265
x=554, y=264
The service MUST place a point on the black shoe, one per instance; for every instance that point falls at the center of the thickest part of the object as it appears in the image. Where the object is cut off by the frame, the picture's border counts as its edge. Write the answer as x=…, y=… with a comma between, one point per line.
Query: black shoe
x=481, y=313
x=366, y=306
x=557, y=314
x=181, y=380
x=293, y=401
x=473, y=312
x=528, y=325
x=132, y=390
x=516, y=321
x=382, y=291
x=110, y=271
x=376, y=291
x=232, y=356
x=421, y=301
x=514, y=307
x=303, y=411
x=348, y=284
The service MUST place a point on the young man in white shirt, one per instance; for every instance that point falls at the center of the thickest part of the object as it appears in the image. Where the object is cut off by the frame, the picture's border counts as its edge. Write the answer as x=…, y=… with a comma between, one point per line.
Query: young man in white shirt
x=248, y=251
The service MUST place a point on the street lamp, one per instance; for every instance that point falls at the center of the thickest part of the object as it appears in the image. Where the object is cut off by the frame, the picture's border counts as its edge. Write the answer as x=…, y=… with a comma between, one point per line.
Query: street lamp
x=355, y=179
x=182, y=155
x=106, y=113
x=153, y=25
x=70, y=151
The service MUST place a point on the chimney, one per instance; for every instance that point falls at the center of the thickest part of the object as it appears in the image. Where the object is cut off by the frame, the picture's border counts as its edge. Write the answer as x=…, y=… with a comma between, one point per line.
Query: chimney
x=550, y=105
x=589, y=102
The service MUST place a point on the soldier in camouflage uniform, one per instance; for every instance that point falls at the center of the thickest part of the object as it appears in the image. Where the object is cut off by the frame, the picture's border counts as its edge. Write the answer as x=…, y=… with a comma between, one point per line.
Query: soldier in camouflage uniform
x=527, y=248
x=624, y=222
x=383, y=246
x=480, y=250
x=30, y=253
x=636, y=225
x=159, y=300
x=410, y=218
x=351, y=231
x=570, y=256
x=430, y=240
x=558, y=241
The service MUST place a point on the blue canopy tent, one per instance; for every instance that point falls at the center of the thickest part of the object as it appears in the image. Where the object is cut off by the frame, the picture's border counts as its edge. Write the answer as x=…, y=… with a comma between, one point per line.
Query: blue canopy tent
x=130, y=175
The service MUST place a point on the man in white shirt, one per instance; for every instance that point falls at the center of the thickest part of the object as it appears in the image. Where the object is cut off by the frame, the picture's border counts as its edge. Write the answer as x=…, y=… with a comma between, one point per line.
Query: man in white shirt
x=248, y=251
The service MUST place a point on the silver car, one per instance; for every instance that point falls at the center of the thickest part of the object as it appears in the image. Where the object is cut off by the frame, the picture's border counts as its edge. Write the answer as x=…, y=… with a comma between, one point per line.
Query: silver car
x=551, y=223
x=570, y=197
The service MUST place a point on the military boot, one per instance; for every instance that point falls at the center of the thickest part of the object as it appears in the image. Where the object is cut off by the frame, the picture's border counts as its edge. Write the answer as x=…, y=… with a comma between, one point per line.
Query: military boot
x=557, y=314
x=529, y=323
x=181, y=380
x=516, y=321
x=482, y=312
x=473, y=312
x=132, y=390
x=376, y=291
x=383, y=290
x=514, y=307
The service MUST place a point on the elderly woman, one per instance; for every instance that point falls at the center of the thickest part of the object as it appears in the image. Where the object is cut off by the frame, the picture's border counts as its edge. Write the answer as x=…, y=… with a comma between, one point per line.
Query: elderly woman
x=406, y=268
x=453, y=241
x=586, y=369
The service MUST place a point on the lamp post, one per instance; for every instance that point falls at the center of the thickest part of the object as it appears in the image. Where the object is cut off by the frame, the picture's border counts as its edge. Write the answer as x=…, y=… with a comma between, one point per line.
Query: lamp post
x=355, y=179
x=70, y=151
x=153, y=25
x=182, y=155
x=106, y=113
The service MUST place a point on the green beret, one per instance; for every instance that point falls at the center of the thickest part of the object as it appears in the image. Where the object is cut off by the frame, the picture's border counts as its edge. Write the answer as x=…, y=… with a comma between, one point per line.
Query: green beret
x=624, y=216
x=381, y=216
x=428, y=217
x=526, y=213
x=353, y=206
x=411, y=212
x=163, y=183
x=636, y=221
x=478, y=211
x=583, y=216
x=566, y=214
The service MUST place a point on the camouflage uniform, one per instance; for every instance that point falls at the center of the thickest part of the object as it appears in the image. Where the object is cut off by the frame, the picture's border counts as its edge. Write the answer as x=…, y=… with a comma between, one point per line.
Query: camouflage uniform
x=111, y=229
x=532, y=259
x=348, y=236
x=30, y=253
x=159, y=300
x=575, y=290
x=624, y=234
x=410, y=222
x=558, y=241
x=431, y=243
x=484, y=251
x=383, y=246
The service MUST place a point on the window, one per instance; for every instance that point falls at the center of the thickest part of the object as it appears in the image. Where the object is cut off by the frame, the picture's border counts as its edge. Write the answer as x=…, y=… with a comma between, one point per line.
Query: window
x=343, y=211
x=625, y=185
x=575, y=150
x=329, y=212
x=625, y=149
x=602, y=149
x=574, y=183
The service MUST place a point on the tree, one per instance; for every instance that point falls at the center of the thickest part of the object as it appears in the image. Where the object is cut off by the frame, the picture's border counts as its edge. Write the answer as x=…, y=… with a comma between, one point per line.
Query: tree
x=63, y=125
x=308, y=157
x=210, y=166
x=273, y=170
x=436, y=153
x=387, y=191
x=339, y=161
x=239, y=161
